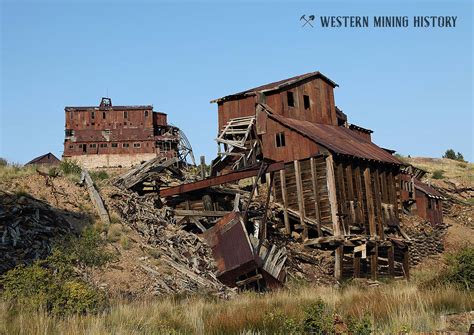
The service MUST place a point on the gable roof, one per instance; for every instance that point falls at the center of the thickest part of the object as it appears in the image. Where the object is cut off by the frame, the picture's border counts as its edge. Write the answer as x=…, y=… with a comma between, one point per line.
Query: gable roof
x=339, y=140
x=39, y=158
x=277, y=85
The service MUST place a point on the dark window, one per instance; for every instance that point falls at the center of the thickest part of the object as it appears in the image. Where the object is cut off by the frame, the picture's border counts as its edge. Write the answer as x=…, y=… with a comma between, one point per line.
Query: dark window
x=306, y=102
x=92, y=115
x=291, y=99
x=103, y=115
x=92, y=145
x=125, y=115
x=146, y=113
x=69, y=132
x=430, y=205
x=280, y=140
x=71, y=146
x=125, y=145
x=114, y=145
x=103, y=145
x=136, y=145
x=125, y=123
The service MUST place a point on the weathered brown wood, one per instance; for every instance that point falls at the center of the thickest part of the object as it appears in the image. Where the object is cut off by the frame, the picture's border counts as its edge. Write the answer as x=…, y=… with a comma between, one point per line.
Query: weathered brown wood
x=359, y=194
x=284, y=195
x=380, y=220
x=391, y=260
x=383, y=186
x=374, y=256
x=314, y=179
x=342, y=200
x=186, y=212
x=249, y=280
x=299, y=190
x=369, y=201
x=263, y=234
x=350, y=191
x=95, y=197
x=331, y=183
x=406, y=263
x=398, y=200
x=338, y=262
x=356, y=260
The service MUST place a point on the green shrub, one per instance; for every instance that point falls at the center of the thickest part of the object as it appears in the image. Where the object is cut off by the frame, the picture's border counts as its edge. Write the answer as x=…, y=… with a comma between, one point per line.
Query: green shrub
x=318, y=319
x=69, y=167
x=360, y=326
x=125, y=242
x=98, y=175
x=450, y=154
x=89, y=249
x=3, y=162
x=460, y=271
x=438, y=174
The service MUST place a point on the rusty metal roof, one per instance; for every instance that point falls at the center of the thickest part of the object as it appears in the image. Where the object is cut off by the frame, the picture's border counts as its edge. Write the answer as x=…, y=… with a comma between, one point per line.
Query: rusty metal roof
x=339, y=140
x=361, y=129
x=39, y=158
x=106, y=108
x=427, y=189
x=277, y=85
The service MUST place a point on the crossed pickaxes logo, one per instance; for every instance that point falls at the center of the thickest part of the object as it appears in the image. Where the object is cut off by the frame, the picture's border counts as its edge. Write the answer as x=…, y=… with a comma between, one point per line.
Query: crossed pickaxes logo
x=307, y=20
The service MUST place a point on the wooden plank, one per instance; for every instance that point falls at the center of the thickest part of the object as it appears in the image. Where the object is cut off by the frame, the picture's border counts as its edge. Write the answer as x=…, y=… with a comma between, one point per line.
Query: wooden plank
x=95, y=197
x=213, y=181
x=314, y=179
x=374, y=262
x=263, y=234
x=338, y=262
x=342, y=197
x=249, y=280
x=197, y=223
x=189, y=212
x=380, y=220
x=350, y=191
x=360, y=197
x=406, y=263
x=284, y=195
x=331, y=183
x=369, y=201
x=391, y=260
x=357, y=264
x=398, y=206
x=299, y=190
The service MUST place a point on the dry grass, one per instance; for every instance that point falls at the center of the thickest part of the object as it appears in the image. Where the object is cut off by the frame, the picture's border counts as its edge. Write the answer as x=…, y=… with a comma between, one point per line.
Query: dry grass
x=11, y=171
x=460, y=171
x=392, y=308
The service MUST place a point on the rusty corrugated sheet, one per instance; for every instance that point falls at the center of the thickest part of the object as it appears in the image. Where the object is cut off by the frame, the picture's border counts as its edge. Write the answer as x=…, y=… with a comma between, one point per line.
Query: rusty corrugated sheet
x=339, y=140
x=277, y=85
x=427, y=189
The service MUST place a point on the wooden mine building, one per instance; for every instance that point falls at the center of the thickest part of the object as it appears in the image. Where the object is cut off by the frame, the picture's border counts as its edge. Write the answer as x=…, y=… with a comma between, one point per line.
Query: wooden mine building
x=337, y=189
x=111, y=136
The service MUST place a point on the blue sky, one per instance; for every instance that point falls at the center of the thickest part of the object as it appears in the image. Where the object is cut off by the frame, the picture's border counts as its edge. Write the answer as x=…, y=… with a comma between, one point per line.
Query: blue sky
x=412, y=86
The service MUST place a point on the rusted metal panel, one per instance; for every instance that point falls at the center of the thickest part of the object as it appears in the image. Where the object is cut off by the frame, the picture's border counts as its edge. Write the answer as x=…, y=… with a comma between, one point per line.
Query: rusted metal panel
x=213, y=181
x=339, y=140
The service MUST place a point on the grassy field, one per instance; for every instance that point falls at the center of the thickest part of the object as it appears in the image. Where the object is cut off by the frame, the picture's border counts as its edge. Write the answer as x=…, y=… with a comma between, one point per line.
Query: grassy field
x=398, y=307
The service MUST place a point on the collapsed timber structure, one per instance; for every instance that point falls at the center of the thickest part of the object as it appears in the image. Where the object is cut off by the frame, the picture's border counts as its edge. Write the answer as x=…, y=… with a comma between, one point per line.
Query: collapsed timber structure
x=113, y=136
x=336, y=188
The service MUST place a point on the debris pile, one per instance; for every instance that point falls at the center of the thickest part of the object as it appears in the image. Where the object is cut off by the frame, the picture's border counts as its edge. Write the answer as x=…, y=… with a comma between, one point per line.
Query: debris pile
x=426, y=239
x=28, y=228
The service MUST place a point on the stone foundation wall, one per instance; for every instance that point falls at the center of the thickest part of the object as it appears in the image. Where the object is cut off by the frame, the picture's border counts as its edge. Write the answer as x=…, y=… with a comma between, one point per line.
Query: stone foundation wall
x=110, y=160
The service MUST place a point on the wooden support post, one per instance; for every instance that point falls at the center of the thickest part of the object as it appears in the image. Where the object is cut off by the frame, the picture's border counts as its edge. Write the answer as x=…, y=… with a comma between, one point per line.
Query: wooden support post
x=203, y=167
x=299, y=189
x=284, y=195
x=406, y=263
x=359, y=194
x=332, y=195
x=263, y=234
x=374, y=256
x=369, y=201
x=342, y=200
x=378, y=204
x=391, y=260
x=398, y=195
x=350, y=191
x=314, y=178
x=357, y=256
x=338, y=262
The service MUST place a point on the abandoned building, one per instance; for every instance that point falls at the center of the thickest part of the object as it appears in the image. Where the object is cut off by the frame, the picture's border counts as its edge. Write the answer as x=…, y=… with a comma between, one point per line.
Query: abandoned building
x=113, y=136
x=336, y=189
x=419, y=198
x=46, y=159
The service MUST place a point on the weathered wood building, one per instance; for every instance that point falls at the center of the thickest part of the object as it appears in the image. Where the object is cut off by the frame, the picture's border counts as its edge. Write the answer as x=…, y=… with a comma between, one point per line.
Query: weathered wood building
x=107, y=135
x=46, y=159
x=336, y=188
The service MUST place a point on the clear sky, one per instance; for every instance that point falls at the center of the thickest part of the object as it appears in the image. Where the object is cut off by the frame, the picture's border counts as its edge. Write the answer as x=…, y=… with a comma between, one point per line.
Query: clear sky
x=412, y=86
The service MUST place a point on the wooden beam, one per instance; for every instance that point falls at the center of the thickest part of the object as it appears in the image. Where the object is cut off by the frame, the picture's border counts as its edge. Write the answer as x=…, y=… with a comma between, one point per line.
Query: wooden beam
x=373, y=262
x=314, y=179
x=284, y=195
x=350, y=191
x=357, y=256
x=378, y=204
x=369, y=201
x=332, y=194
x=391, y=260
x=342, y=200
x=213, y=181
x=338, y=262
x=299, y=190
x=406, y=263
x=263, y=234
x=359, y=194
x=188, y=212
